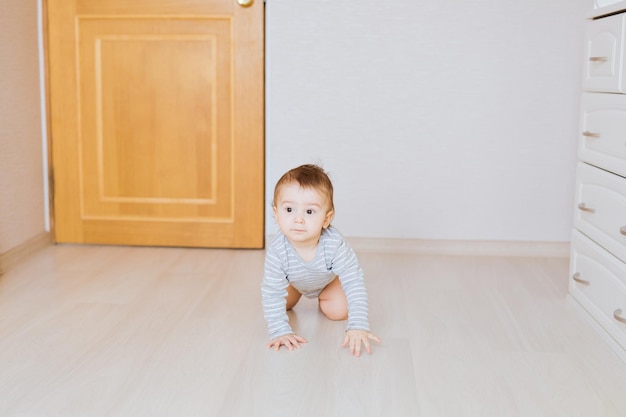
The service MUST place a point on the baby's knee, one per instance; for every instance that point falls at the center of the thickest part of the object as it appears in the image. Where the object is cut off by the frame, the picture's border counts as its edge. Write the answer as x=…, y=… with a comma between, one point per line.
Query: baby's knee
x=334, y=311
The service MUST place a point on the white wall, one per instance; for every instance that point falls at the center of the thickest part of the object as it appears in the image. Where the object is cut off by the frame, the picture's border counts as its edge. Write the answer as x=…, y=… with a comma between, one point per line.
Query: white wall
x=447, y=119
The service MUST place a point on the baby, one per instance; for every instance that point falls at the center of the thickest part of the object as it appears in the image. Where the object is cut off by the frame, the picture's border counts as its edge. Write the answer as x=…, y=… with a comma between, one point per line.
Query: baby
x=309, y=256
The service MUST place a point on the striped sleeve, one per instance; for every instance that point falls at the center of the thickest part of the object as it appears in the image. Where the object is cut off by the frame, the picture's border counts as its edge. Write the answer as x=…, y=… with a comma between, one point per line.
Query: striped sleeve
x=346, y=265
x=274, y=293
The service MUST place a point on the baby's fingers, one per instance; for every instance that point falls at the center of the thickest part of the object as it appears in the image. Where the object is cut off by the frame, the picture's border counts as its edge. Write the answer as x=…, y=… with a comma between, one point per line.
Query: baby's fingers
x=300, y=339
x=366, y=344
x=374, y=338
x=346, y=341
x=355, y=347
x=295, y=341
x=353, y=341
x=289, y=341
x=358, y=340
x=274, y=344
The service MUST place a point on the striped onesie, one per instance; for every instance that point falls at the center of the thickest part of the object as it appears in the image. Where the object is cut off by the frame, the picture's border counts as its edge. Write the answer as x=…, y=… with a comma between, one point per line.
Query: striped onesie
x=283, y=266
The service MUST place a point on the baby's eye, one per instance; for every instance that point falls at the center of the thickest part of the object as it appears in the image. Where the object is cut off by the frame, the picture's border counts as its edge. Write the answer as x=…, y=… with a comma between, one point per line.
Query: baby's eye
x=289, y=209
x=309, y=211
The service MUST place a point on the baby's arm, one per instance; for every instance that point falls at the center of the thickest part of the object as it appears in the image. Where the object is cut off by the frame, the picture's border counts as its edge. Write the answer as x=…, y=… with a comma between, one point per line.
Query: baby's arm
x=346, y=265
x=273, y=294
x=353, y=283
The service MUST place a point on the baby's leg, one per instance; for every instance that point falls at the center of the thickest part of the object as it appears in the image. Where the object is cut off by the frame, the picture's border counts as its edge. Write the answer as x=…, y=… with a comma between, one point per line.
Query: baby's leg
x=333, y=301
x=293, y=296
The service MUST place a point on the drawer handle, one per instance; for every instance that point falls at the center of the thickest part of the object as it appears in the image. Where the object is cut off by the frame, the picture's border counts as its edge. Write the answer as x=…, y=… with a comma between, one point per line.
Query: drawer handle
x=598, y=59
x=576, y=277
x=583, y=207
x=622, y=230
x=617, y=315
x=588, y=134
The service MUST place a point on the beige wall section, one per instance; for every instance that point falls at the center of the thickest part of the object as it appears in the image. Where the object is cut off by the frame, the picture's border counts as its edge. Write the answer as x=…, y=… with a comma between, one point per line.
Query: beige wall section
x=21, y=171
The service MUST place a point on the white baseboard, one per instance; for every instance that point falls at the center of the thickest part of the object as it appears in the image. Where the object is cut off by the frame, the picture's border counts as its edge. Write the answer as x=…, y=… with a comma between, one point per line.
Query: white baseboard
x=15, y=255
x=461, y=248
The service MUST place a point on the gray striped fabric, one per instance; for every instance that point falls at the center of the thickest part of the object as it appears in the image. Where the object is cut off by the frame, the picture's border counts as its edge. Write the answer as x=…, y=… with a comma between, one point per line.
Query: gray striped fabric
x=283, y=266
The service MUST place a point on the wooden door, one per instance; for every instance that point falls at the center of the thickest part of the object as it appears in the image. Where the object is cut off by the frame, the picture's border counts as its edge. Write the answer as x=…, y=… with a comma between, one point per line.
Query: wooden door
x=156, y=116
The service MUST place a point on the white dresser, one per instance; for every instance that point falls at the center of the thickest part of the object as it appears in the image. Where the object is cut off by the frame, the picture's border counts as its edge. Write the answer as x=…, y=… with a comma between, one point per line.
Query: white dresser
x=598, y=258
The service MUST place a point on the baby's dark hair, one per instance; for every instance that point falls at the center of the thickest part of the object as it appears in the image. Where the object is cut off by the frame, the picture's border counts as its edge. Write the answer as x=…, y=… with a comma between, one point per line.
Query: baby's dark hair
x=308, y=176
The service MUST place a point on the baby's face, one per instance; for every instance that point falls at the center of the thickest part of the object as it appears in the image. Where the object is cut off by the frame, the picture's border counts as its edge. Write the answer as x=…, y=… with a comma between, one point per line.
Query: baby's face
x=301, y=214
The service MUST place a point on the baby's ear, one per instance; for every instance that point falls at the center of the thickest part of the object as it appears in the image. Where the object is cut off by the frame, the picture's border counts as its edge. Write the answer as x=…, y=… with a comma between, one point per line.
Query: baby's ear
x=328, y=218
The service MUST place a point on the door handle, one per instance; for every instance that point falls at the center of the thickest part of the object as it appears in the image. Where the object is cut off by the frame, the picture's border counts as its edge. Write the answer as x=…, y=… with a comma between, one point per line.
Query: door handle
x=576, y=277
x=583, y=207
x=617, y=315
x=598, y=59
x=245, y=3
x=588, y=134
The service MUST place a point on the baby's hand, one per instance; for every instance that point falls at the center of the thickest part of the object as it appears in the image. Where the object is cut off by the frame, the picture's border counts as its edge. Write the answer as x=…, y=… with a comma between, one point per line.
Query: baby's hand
x=289, y=340
x=354, y=338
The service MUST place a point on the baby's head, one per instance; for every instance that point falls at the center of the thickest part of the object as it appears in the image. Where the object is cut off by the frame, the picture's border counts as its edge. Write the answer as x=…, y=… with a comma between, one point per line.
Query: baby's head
x=308, y=177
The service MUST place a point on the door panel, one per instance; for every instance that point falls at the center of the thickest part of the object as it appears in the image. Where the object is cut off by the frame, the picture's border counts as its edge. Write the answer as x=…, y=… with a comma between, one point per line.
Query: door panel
x=157, y=122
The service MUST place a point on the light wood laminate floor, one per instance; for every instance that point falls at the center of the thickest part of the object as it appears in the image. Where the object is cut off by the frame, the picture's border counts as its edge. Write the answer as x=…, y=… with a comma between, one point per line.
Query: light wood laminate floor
x=116, y=331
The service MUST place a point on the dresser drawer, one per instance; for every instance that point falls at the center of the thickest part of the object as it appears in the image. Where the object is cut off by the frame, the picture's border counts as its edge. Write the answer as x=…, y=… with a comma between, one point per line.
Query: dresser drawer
x=604, y=7
x=603, y=131
x=601, y=208
x=603, y=70
x=598, y=283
